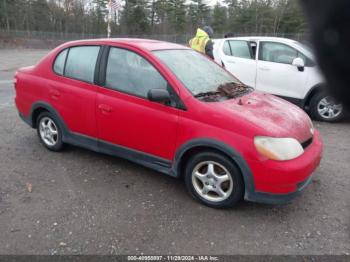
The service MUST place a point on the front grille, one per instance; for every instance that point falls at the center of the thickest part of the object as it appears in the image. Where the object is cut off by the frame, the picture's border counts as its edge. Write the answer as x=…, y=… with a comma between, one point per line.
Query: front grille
x=307, y=143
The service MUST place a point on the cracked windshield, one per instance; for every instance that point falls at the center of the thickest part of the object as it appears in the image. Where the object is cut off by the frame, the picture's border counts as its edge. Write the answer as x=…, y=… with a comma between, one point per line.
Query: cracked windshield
x=200, y=77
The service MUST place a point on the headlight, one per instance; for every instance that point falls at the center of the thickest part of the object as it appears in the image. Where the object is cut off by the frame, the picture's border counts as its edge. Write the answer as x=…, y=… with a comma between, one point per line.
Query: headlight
x=278, y=148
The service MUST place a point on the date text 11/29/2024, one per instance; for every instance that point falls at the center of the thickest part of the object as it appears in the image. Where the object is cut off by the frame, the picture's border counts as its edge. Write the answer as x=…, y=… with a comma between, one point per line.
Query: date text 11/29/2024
x=173, y=258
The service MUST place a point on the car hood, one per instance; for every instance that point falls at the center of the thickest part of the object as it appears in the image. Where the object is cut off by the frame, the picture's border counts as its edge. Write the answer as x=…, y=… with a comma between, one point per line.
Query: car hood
x=271, y=115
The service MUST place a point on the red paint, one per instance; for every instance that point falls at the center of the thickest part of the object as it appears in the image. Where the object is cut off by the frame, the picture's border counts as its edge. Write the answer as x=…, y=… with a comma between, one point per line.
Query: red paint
x=159, y=130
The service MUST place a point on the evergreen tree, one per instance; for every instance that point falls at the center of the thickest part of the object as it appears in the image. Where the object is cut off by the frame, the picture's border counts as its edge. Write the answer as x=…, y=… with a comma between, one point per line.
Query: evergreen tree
x=177, y=15
x=135, y=17
x=198, y=14
x=219, y=19
x=41, y=19
x=153, y=16
x=232, y=8
x=202, y=12
x=162, y=16
x=293, y=19
x=99, y=16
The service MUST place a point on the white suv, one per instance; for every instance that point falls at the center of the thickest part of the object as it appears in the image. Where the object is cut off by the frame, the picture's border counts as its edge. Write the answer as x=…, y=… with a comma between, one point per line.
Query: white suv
x=282, y=67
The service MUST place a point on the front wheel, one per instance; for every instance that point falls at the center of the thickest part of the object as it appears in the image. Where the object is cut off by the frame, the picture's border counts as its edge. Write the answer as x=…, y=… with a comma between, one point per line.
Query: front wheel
x=214, y=180
x=324, y=107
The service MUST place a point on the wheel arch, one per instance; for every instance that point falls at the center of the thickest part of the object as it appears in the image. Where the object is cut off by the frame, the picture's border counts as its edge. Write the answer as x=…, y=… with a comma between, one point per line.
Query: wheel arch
x=196, y=145
x=314, y=90
x=35, y=114
x=39, y=107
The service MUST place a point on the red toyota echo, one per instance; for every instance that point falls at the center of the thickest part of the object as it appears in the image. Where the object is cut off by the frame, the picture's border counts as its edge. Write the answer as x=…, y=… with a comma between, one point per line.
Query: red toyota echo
x=171, y=109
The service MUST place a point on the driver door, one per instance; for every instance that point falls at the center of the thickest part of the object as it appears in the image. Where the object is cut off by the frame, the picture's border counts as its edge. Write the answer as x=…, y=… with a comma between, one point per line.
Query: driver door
x=125, y=117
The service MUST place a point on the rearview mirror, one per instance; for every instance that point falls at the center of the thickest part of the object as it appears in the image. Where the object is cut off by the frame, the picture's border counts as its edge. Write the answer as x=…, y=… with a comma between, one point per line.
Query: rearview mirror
x=299, y=63
x=158, y=95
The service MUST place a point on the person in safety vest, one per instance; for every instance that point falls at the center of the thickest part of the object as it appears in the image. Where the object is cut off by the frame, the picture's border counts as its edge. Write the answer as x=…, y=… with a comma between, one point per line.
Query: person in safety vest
x=202, y=41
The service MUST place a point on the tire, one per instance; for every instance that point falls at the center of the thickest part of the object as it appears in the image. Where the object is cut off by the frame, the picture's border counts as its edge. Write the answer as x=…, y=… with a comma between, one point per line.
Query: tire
x=320, y=102
x=205, y=185
x=49, y=132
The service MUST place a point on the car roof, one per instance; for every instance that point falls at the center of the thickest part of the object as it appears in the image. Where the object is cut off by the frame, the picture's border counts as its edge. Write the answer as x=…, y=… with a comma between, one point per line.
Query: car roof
x=148, y=44
x=259, y=38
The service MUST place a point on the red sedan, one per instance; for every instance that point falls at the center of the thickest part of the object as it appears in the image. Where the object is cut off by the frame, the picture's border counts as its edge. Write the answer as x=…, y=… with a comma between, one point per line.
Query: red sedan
x=172, y=109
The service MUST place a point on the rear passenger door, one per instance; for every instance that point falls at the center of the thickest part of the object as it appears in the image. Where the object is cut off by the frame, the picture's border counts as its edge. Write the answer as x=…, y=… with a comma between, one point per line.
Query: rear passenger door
x=125, y=117
x=238, y=59
x=72, y=91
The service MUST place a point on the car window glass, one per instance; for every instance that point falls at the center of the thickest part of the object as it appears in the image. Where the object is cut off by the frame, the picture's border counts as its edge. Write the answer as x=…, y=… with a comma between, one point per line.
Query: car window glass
x=194, y=70
x=278, y=53
x=303, y=57
x=226, y=48
x=131, y=73
x=240, y=49
x=58, y=66
x=81, y=62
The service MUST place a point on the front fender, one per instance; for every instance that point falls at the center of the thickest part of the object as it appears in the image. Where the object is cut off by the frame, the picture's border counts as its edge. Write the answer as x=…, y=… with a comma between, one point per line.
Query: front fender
x=222, y=147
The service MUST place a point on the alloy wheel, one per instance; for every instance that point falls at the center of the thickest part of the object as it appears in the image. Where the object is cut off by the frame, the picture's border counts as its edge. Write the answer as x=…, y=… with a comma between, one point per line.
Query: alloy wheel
x=328, y=108
x=212, y=181
x=48, y=131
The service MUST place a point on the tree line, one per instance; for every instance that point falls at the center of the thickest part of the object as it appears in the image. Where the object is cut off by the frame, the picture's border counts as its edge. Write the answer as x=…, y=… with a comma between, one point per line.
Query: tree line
x=152, y=16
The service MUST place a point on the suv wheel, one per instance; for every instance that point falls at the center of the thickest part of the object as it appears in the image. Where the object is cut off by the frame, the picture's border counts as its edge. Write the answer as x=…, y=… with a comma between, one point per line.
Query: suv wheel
x=214, y=180
x=324, y=107
x=49, y=132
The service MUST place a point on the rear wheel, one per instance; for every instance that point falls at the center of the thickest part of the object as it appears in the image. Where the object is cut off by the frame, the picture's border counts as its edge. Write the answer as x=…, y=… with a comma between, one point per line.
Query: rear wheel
x=324, y=107
x=49, y=131
x=214, y=180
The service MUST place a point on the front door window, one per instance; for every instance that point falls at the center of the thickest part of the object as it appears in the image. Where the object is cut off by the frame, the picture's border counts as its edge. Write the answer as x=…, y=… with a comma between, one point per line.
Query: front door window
x=130, y=73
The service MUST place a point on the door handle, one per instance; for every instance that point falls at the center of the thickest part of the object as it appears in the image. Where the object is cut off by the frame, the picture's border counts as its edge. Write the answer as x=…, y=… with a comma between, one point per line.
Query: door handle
x=231, y=62
x=105, y=108
x=54, y=93
x=264, y=69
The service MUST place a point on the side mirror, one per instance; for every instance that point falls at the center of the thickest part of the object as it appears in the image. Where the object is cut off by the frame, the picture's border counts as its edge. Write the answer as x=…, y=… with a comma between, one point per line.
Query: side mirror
x=299, y=63
x=159, y=95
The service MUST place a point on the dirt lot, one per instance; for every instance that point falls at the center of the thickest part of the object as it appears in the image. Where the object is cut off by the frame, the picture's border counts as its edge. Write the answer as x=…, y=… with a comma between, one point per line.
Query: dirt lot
x=86, y=203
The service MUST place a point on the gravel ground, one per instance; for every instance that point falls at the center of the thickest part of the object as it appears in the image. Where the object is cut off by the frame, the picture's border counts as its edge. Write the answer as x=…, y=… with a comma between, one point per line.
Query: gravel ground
x=87, y=203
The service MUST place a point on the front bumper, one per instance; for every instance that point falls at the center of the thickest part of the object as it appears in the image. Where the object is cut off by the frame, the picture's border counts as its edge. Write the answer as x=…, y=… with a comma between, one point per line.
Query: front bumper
x=269, y=198
x=278, y=182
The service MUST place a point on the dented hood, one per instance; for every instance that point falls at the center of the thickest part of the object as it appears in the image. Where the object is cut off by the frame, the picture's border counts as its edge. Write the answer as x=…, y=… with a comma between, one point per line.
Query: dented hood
x=271, y=115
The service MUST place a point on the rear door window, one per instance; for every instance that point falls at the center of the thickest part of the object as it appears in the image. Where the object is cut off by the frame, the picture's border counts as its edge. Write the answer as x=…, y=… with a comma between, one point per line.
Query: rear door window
x=81, y=63
x=58, y=66
x=226, y=48
x=240, y=49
